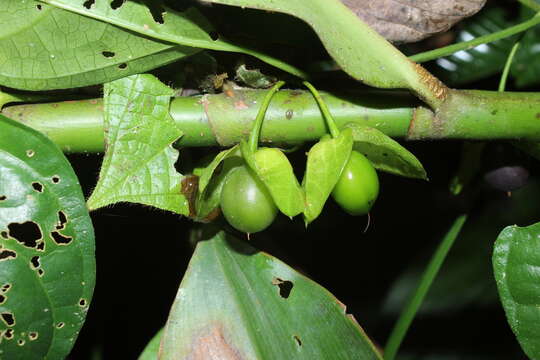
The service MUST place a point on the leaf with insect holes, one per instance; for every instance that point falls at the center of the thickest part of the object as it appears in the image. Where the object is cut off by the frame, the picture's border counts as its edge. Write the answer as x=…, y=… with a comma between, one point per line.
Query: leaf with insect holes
x=139, y=160
x=43, y=47
x=276, y=172
x=385, y=153
x=240, y=303
x=516, y=260
x=47, y=264
x=325, y=162
x=187, y=28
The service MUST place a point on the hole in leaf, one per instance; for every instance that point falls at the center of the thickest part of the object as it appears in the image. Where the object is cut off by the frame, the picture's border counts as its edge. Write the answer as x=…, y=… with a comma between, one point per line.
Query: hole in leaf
x=35, y=262
x=55, y=179
x=26, y=233
x=6, y=254
x=3, y=197
x=285, y=287
x=2, y=299
x=4, y=234
x=8, y=318
x=214, y=35
x=9, y=334
x=116, y=4
x=298, y=341
x=60, y=325
x=40, y=272
x=32, y=335
x=122, y=66
x=38, y=6
x=88, y=4
x=82, y=302
x=62, y=220
x=5, y=288
x=61, y=239
x=41, y=246
x=37, y=186
x=108, y=54
x=20, y=342
x=30, y=152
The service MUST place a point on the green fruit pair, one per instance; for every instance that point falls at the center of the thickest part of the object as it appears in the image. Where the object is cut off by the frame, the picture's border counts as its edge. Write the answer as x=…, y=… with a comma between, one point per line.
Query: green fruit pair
x=358, y=186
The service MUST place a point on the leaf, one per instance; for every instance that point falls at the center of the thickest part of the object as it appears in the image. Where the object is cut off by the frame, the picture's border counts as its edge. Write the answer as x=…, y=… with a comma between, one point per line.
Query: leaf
x=410, y=21
x=525, y=69
x=151, y=350
x=47, y=265
x=325, y=162
x=237, y=303
x=516, y=263
x=139, y=161
x=385, y=153
x=43, y=47
x=188, y=28
x=276, y=172
x=253, y=77
x=358, y=49
x=210, y=183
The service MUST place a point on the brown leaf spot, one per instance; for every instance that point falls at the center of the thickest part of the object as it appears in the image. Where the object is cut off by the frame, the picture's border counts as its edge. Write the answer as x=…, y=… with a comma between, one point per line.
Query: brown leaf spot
x=435, y=86
x=212, y=345
x=240, y=105
x=190, y=187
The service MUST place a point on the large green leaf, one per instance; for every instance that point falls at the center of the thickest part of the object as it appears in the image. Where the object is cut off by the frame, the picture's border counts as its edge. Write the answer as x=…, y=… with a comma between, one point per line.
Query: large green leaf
x=237, y=303
x=189, y=28
x=325, y=162
x=358, y=49
x=385, y=153
x=47, y=265
x=526, y=68
x=516, y=262
x=139, y=160
x=42, y=47
x=276, y=172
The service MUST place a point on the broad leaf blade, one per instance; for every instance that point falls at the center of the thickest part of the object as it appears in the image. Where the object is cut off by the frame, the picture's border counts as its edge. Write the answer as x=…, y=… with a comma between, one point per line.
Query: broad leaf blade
x=42, y=47
x=516, y=260
x=188, y=28
x=325, y=162
x=47, y=265
x=139, y=160
x=151, y=350
x=385, y=153
x=237, y=303
x=276, y=172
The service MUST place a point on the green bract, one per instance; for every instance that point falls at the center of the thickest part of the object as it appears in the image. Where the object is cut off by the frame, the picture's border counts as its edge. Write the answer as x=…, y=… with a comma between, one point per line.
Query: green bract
x=245, y=201
x=358, y=185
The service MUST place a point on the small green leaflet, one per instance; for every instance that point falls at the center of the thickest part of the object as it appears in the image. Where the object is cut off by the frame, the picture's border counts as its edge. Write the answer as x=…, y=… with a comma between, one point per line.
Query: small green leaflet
x=325, y=162
x=235, y=303
x=47, y=264
x=151, y=350
x=43, y=47
x=385, y=153
x=516, y=263
x=210, y=183
x=139, y=161
x=276, y=172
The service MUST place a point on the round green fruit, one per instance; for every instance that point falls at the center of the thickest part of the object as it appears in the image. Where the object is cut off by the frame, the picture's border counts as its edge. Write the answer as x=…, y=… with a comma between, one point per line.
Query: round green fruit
x=245, y=201
x=358, y=185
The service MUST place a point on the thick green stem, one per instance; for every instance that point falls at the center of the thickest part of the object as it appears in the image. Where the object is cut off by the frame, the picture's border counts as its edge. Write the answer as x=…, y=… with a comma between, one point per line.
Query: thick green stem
x=255, y=133
x=294, y=117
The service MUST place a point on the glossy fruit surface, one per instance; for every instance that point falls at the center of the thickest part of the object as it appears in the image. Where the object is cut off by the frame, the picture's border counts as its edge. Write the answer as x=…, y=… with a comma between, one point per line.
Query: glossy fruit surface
x=358, y=185
x=245, y=202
